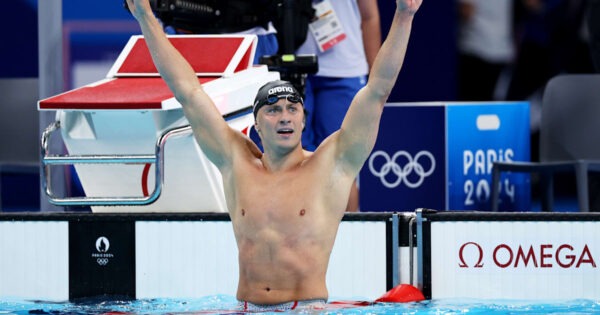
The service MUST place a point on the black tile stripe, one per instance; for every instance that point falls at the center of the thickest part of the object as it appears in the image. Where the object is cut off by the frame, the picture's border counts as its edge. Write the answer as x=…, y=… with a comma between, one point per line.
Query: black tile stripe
x=116, y=217
x=106, y=268
x=426, y=264
x=389, y=276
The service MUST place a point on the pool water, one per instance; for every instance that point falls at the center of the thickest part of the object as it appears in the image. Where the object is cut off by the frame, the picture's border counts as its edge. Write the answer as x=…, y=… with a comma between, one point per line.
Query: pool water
x=211, y=305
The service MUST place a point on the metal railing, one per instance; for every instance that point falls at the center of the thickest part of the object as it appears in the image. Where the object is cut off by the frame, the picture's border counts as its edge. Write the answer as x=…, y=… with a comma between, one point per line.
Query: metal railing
x=157, y=159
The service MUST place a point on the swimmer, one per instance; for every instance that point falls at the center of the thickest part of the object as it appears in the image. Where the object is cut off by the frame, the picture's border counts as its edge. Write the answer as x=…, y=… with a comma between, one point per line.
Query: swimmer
x=285, y=204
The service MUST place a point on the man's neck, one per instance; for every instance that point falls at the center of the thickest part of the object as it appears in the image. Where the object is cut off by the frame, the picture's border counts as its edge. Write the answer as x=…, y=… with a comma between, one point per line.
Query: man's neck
x=282, y=161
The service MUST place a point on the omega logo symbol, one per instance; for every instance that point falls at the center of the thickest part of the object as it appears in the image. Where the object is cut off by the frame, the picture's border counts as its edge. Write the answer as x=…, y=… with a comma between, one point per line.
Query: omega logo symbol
x=463, y=264
x=403, y=168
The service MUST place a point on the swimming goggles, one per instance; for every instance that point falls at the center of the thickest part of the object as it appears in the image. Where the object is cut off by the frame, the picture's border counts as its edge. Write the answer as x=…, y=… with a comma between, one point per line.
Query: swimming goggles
x=273, y=98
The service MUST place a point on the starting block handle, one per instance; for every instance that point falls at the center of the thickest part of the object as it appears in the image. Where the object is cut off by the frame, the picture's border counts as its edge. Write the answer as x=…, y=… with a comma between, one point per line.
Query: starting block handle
x=157, y=159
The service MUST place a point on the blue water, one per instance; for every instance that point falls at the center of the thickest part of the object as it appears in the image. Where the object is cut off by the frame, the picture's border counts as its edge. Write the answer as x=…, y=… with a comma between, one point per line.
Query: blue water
x=99, y=306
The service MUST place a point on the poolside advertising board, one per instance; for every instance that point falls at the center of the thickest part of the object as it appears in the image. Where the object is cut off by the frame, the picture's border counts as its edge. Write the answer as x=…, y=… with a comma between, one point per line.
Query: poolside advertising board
x=70, y=256
x=547, y=257
x=440, y=155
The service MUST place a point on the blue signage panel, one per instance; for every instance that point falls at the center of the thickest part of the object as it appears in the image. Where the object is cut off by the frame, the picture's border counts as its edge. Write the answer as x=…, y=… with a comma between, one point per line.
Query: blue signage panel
x=479, y=134
x=407, y=168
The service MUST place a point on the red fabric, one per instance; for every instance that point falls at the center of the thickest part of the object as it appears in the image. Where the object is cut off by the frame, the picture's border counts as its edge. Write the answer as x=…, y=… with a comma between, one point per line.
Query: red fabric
x=402, y=293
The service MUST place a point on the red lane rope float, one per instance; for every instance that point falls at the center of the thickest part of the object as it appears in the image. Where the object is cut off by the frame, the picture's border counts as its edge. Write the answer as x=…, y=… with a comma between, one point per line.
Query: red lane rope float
x=402, y=293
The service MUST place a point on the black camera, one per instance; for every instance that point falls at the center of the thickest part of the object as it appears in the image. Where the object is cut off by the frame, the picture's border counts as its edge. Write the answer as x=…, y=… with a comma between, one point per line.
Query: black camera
x=213, y=16
x=290, y=18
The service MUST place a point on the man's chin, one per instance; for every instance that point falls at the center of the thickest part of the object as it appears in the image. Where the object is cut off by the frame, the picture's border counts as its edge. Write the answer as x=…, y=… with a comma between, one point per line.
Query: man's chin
x=289, y=143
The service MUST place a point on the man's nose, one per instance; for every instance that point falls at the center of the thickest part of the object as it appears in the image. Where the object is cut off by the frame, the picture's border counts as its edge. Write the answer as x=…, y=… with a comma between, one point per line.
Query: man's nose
x=285, y=117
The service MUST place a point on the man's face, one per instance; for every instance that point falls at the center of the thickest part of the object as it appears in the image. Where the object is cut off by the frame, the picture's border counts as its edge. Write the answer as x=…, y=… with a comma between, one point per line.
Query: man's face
x=281, y=123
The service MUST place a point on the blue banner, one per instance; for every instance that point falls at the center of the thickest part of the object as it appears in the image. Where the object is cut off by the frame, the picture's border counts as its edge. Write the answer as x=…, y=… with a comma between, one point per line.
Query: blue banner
x=440, y=156
x=407, y=168
x=479, y=134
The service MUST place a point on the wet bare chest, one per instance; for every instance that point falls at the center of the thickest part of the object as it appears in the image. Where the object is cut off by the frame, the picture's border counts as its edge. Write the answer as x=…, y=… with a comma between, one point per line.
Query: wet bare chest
x=288, y=202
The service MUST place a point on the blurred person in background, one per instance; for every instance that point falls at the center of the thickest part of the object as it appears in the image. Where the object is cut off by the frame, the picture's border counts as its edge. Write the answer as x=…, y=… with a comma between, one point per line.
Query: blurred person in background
x=352, y=30
x=593, y=28
x=485, y=46
x=550, y=41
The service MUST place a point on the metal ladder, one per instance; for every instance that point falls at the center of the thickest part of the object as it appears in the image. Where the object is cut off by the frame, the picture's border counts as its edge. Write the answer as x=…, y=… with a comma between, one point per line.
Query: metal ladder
x=157, y=159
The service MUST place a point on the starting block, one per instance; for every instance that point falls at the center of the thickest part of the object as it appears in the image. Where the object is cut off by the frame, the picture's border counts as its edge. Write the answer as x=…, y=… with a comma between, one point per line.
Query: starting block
x=127, y=136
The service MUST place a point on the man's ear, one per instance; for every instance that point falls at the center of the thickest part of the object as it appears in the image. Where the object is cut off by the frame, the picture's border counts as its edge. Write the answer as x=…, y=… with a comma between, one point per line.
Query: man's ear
x=256, y=126
x=304, y=120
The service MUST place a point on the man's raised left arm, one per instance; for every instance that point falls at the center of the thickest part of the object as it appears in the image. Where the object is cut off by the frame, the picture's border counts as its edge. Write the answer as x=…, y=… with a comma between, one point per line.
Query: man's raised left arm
x=358, y=132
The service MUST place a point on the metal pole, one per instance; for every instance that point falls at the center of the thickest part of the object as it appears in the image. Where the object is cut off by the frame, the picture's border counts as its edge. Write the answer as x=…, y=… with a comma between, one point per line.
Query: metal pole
x=50, y=58
x=396, y=249
x=420, y=254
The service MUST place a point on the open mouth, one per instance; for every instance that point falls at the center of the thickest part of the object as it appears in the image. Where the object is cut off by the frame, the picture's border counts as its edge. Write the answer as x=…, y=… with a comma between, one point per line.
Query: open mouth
x=285, y=131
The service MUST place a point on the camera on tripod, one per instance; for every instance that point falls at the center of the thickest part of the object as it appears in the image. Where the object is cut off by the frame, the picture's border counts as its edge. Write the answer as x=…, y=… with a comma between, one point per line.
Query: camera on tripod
x=290, y=18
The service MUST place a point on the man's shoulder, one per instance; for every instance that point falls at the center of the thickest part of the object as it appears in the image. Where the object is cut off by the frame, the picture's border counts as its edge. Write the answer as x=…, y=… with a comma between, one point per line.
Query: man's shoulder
x=326, y=151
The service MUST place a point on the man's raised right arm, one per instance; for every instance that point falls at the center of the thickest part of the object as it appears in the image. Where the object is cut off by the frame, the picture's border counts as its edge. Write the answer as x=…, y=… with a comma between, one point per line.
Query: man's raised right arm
x=210, y=129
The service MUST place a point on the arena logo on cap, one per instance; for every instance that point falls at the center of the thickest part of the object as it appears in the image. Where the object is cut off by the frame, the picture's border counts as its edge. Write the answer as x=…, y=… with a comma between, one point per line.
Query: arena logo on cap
x=279, y=89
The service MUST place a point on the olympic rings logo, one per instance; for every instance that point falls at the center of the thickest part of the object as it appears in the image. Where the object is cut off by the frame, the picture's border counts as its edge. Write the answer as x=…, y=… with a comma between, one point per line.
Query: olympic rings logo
x=102, y=261
x=402, y=172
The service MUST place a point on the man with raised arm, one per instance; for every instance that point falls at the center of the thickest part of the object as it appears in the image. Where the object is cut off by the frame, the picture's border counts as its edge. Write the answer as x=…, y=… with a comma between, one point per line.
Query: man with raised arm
x=285, y=204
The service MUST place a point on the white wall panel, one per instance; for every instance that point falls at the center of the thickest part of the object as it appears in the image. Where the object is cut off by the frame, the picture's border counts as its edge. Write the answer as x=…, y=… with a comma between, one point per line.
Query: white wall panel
x=34, y=260
x=185, y=259
x=194, y=259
